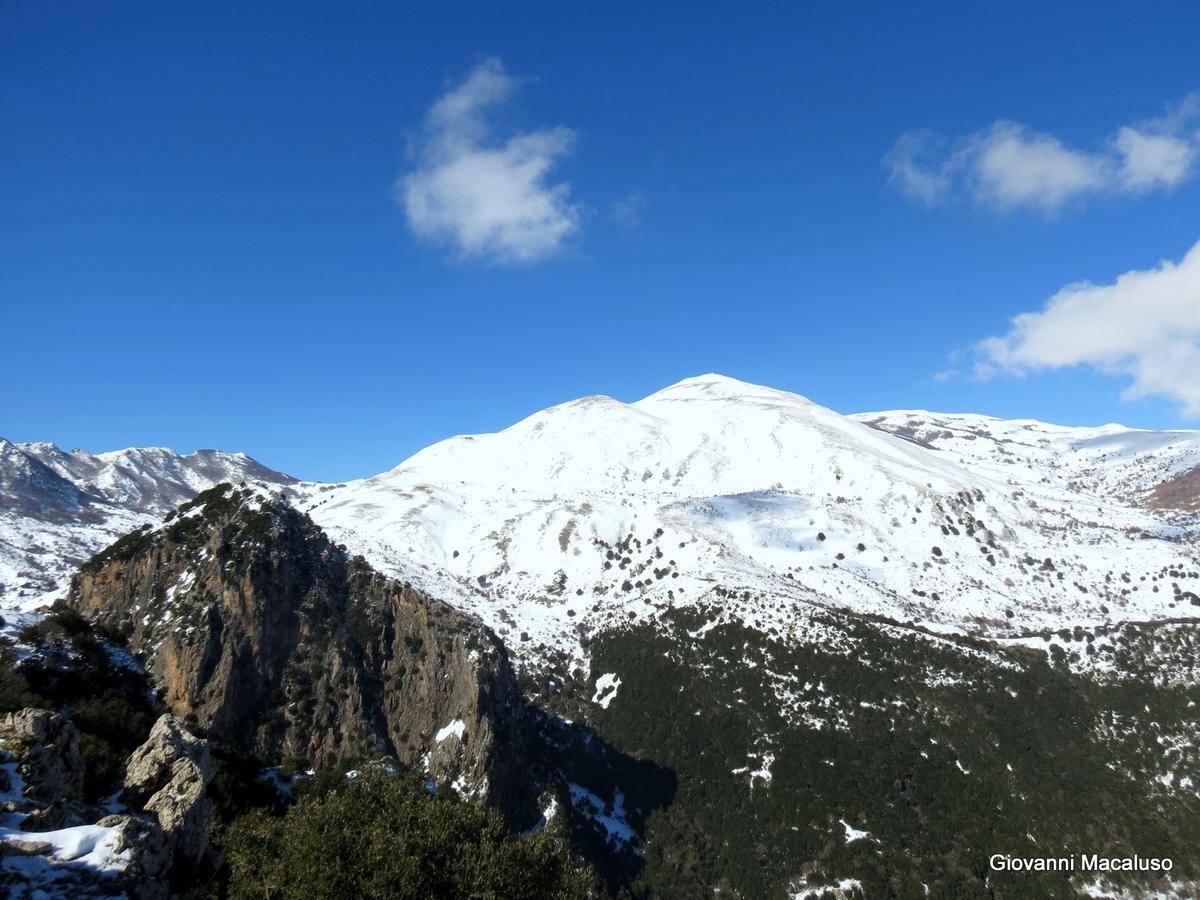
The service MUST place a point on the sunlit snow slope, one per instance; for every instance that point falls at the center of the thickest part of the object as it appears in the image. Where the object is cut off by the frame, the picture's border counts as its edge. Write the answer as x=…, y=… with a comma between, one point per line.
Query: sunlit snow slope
x=597, y=511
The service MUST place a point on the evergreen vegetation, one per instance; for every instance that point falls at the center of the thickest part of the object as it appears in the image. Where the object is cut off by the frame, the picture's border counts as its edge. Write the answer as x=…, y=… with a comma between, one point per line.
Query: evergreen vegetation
x=944, y=753
x=385, y=837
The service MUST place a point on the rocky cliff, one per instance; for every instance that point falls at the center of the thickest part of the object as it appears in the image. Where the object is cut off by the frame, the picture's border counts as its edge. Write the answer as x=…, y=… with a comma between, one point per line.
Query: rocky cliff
x=263, y=634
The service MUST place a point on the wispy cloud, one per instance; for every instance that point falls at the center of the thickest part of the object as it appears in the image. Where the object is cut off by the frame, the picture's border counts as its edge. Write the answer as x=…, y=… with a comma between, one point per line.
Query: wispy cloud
x=1145, y=324
x=488, y=198
x=915, y=168
x=1010, y=166
x=628, y=211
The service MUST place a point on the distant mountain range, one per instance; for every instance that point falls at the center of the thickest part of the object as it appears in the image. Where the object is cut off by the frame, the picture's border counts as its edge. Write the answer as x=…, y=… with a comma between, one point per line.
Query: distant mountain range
x=57, y=508
x=869, y=649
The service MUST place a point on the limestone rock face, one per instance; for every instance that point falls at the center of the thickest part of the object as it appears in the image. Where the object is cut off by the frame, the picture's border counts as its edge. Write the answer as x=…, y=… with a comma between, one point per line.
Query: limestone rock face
x=45, y=747
x=265, y=635
x=168, y=777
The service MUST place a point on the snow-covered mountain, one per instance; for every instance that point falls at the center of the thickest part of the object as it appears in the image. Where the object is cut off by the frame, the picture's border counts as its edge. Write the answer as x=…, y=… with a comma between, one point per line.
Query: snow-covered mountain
x=58, y=508
x=596, y=511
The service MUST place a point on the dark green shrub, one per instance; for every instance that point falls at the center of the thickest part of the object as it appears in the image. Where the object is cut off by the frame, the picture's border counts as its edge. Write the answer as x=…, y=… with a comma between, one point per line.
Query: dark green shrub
x=382, y=837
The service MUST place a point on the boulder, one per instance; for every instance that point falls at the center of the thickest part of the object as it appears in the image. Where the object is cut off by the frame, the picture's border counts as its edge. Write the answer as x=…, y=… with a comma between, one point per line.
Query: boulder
x=168, y=777
x=45, y=746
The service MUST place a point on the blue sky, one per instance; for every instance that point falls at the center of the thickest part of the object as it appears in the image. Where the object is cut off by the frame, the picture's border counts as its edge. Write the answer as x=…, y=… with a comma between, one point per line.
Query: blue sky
x=329, y=237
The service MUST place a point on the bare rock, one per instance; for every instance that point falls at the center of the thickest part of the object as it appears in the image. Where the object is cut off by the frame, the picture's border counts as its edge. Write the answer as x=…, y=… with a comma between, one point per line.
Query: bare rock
x=168, y=777
x=46, y=748
x=152, y=765
x=52, y=816
x=27, y=846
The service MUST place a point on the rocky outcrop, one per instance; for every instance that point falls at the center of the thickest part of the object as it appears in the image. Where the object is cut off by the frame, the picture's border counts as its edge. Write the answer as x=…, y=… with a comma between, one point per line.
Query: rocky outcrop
x=140, y=840
x=48, y=769
x=263, y=634
x=152, y=850
x=164, y=835
x=168, y=777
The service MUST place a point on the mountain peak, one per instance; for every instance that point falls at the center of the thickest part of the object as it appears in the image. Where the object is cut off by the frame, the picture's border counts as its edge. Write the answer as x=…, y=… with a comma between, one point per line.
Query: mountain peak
x=715, y=386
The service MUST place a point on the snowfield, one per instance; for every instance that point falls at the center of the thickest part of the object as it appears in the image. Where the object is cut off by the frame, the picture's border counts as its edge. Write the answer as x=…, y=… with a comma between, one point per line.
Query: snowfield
x=596, y=512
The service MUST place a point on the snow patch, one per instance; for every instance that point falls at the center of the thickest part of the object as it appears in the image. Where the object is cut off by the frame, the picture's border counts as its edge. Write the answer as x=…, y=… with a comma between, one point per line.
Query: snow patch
x=843, y=888
x=457, y=729
x=611, y=817
x=852, y=833
x=606, y=689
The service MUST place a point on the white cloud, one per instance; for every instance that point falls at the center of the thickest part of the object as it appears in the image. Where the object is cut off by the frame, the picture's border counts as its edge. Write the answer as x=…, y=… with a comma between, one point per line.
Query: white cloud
x=1012, y=167
x=1009, y=166
x=1153, y=160
x=911, y=170
x=628, y=211
x=1146, y=325
x=489, y=199
x=1160, y=152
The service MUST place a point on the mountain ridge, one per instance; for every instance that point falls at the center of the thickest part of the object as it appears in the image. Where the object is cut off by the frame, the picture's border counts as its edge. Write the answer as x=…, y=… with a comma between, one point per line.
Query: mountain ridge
x=758, y=476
